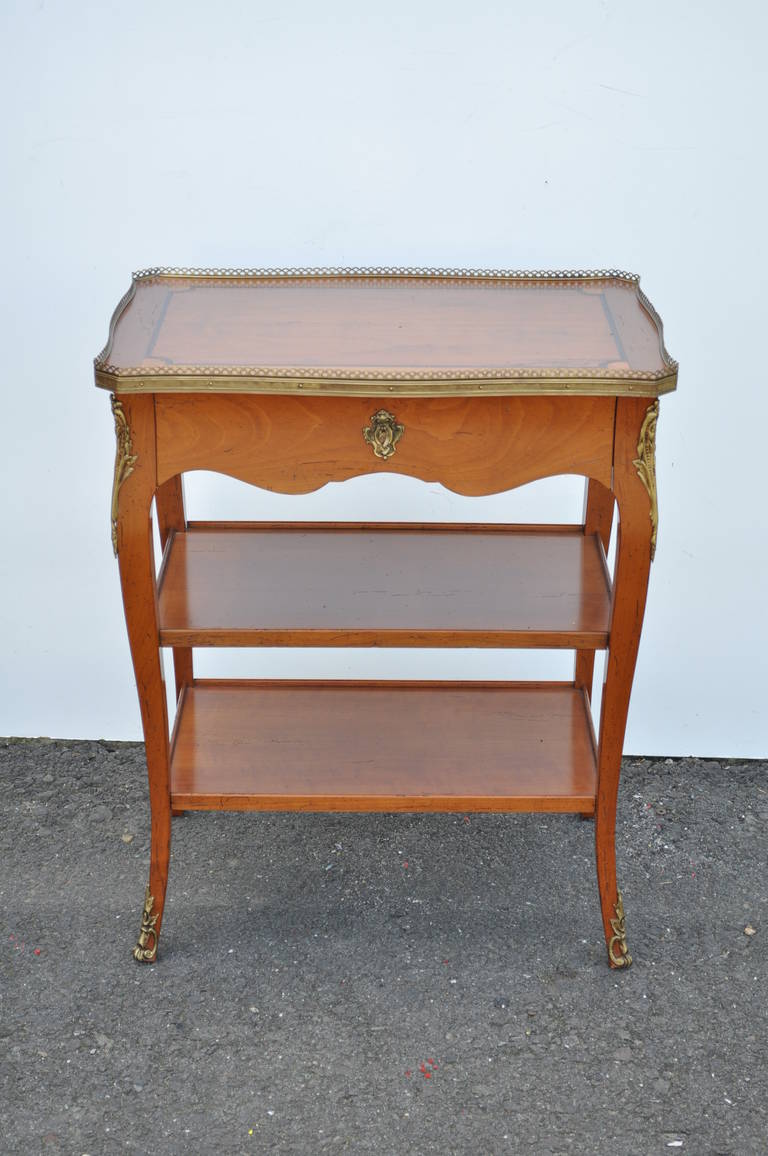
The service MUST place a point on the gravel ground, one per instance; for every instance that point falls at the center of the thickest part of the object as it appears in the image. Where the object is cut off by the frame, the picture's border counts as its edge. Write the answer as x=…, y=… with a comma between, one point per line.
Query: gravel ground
x=386, y=984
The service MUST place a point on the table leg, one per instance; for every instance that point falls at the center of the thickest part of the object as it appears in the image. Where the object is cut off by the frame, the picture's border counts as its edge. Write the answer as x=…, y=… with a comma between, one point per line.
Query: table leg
x=635, y=490
x=135, y=481
x=598, y=518
x=169, y=500
x=171, y=518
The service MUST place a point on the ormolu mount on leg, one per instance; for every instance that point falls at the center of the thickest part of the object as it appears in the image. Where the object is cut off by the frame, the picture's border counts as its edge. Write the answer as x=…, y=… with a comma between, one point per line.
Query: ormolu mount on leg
x=145, y=950
x=618, y=953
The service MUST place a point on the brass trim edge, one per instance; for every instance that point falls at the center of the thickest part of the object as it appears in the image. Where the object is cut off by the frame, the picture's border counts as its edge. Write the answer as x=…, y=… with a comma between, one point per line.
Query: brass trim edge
x=646, y=304
x=125, y=460
x=618, y=953
x=125, y=300
x=354, y=373
x=406, y=271
x=213, y=377
x=334, y=384
x=645, y=464
x=145, y=950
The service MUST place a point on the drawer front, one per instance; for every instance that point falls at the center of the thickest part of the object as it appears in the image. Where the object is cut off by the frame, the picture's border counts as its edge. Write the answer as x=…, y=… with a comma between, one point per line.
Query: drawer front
x=473, y=445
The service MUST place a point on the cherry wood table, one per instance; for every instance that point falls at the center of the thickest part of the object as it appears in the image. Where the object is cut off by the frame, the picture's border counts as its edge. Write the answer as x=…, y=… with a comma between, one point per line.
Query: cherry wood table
x=481, y=381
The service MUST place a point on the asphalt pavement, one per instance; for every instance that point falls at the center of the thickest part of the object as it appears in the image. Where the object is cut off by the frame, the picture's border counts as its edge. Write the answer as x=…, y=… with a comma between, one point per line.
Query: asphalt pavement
x=398, y=984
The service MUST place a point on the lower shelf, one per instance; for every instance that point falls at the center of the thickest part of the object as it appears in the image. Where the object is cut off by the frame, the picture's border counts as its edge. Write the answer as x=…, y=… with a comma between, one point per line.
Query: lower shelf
x=343, y=746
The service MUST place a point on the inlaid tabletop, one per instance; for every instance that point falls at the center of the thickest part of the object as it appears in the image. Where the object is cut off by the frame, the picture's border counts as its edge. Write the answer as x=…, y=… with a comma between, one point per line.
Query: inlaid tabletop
x=385, y=331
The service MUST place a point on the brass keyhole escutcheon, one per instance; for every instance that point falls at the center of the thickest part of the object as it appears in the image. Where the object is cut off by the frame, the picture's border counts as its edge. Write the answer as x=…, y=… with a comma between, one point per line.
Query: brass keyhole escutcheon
x=383, y=433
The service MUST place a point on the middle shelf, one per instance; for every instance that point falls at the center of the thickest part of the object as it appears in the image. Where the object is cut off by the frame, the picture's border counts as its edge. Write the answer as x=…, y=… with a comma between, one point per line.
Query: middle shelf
x=384, y=584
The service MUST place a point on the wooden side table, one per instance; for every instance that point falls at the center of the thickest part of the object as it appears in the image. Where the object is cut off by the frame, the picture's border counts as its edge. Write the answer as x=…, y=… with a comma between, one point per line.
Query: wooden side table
x=481, y=381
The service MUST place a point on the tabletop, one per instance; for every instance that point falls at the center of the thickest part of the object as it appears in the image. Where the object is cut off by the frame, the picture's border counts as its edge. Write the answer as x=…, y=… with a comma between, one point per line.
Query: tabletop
x=375, y=331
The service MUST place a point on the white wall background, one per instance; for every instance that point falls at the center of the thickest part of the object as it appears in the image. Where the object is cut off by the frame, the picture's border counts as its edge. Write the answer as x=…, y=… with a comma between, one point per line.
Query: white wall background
x=280, y=132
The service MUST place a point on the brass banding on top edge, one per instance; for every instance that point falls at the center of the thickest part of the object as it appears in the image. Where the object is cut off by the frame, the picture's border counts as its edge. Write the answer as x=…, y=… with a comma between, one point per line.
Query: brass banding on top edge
x=402, y=271
x=428, y=386
x=353, y=381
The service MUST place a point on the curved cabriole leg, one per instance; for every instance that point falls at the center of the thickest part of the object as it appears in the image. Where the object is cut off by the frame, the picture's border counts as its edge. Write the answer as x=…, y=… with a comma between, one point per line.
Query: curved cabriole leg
x=636, y=537
x=132, y=537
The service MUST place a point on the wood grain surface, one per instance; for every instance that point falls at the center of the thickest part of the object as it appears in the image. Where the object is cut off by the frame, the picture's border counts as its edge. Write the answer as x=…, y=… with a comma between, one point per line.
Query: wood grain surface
x=381, y=323
x=598, y=519
x=383, y=747
x=477, y=445
x=386, y=746
x=137, y=577
x=171, y=519
x=632, y=570
x=279, y=585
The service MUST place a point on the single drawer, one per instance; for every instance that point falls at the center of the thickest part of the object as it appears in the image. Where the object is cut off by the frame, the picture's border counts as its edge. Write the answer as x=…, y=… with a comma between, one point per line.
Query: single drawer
x=472, y=445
